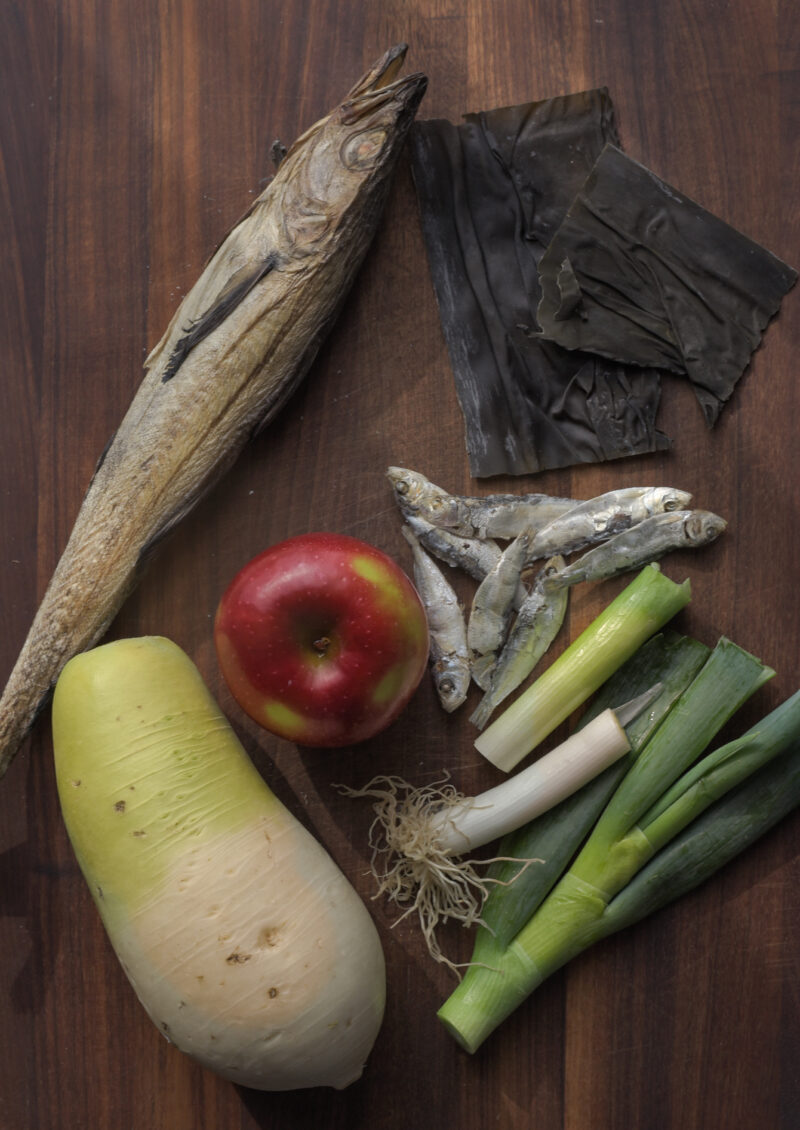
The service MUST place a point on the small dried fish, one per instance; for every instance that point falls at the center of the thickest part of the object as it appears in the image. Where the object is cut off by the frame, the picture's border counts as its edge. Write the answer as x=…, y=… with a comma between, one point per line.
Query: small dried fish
x=493, y=609
x=450, y=661
x=493, y=516
x=638, y=546
x=603, y=517
x=537, y=624
x=238, y=345
x=474, y=555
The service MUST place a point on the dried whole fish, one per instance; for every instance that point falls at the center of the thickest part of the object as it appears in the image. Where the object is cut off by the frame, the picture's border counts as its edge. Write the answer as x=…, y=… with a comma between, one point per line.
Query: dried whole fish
x=493, y=516
x=537, y=624
x=238, y=345
x=646, y=542
x=449, y=653
x=493, y=609
x=475, y=556
x=603, y=517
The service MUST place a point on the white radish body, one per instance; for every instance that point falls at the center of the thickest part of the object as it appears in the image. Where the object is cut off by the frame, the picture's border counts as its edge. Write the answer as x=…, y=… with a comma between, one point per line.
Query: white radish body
x=242, y=938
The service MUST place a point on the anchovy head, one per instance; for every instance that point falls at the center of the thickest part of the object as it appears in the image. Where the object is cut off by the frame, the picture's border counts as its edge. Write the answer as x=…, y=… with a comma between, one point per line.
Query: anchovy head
x=702, y=527
x=664, y=500
x=414, y=493
x=548, y=580
x=346, y=158
x=452, y=683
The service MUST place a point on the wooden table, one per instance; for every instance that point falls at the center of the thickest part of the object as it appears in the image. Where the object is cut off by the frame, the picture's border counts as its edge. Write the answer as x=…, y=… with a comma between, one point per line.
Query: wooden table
x=133, y=135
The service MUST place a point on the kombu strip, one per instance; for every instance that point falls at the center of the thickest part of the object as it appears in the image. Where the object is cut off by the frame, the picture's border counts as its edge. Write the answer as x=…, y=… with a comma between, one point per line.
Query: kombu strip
x=639, y=273
x=493, y=190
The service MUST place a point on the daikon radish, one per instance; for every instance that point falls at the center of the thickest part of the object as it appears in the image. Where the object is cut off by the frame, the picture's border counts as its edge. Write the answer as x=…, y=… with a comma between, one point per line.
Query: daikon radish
x=244, y=941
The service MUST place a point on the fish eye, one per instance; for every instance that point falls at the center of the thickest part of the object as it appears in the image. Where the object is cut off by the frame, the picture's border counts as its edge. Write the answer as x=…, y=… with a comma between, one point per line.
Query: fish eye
x=447, y=686
x=671, y=504
x=363, y=149
x=401, y=486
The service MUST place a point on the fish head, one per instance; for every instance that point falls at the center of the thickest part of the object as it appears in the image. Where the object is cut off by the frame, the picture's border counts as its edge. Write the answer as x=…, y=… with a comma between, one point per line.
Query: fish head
x=452, y=684
x=702, y=527
x=413, y=492
x=665, y=500
x=343, y=163
x=548, y=580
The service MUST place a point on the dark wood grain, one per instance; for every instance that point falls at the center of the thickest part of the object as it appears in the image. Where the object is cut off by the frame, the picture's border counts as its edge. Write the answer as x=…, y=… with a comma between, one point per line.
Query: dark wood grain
x=132, y=136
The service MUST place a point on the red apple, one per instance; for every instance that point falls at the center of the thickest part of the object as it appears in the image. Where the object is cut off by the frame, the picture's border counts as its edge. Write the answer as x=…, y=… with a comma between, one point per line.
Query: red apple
x=322, y=639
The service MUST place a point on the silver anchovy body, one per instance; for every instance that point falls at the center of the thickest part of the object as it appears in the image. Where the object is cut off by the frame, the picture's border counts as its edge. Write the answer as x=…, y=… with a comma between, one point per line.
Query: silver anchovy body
x=537, y=624
x=474, y=556
x=493, y=608
x=449, y=653
x=603, y=517
x=493, y=516
x=239, y=344
x=638, y=546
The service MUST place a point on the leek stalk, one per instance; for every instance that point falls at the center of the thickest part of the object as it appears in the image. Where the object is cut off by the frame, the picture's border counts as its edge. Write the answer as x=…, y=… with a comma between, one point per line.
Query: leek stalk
x=517, y=890
x=640, y=610
x=572, y=916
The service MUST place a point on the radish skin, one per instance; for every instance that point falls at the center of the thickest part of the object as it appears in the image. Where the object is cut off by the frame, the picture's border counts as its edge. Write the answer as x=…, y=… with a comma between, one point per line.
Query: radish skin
x=245, y=943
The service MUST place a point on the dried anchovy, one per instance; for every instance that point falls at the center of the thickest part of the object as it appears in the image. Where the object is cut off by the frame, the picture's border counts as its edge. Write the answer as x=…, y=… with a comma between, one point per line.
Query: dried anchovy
x=646, y=542
x=475, y=556
x=493, y=609
x=449, y=653
x=537, y=624
x=603, y=517
x=493, y=516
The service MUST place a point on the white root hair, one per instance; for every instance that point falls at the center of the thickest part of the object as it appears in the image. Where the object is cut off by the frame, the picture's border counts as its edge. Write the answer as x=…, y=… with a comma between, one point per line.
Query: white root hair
x=410, y=867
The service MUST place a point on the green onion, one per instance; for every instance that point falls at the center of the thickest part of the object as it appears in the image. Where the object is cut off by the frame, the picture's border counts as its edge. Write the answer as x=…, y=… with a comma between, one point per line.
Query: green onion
x=517, y=890
x=571, y=916
x=709, y=842
x=422, y=832
x=641, y=609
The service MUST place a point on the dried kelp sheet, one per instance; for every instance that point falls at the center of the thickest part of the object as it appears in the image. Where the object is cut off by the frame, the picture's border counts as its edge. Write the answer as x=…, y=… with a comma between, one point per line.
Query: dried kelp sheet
x=640, y=273
x=492, y=191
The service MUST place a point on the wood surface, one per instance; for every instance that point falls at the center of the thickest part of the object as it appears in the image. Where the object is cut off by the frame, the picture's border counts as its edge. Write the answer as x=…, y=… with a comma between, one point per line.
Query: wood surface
x=133, y=135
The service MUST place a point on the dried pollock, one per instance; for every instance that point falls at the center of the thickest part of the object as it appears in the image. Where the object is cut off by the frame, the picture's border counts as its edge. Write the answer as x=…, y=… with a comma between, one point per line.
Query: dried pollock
x=238, y=345
x=450, y=660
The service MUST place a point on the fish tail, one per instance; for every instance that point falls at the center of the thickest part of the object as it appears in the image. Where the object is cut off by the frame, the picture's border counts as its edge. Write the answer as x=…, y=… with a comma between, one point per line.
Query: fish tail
x=87, y=588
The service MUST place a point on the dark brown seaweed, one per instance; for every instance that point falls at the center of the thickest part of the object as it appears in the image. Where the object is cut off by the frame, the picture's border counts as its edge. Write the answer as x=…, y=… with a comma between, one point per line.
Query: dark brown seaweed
x=639, y=273
x=492, y=193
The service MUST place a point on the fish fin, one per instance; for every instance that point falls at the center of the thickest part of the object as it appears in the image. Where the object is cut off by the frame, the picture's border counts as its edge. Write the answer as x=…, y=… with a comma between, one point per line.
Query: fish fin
x=103, y=455
x=227, y=300
x=277, y=152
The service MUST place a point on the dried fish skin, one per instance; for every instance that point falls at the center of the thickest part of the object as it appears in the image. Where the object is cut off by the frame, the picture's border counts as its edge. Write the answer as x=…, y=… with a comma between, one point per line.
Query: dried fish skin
x=491, y=516
x=603, y=517
x=640, y=273
x=492, y=191
x=639, y=546
x=537, y=624
x=449, y=651
x=493, y=608
x=237, y=347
